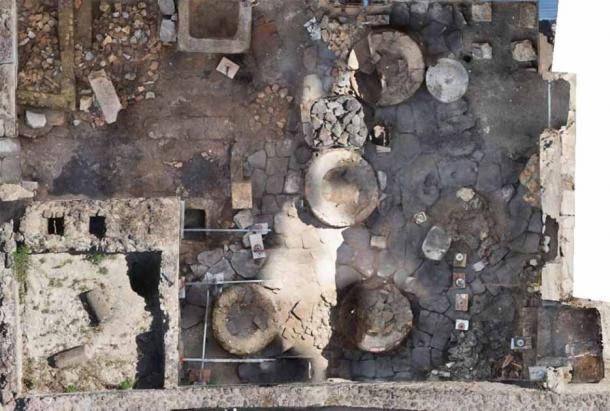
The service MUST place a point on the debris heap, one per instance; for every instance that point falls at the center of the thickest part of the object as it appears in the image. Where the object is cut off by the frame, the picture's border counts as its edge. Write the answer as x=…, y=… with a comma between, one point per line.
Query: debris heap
x=338, y=122
x=339, y=37
x=270, y=110
x=127, y=47
x=39, y=58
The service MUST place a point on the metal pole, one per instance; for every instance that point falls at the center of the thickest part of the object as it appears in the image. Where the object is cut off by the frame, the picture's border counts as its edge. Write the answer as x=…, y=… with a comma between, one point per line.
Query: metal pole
x=205, y=327
x=228, y=360
x=218, y=230
x=228, y=282
x=549, y=104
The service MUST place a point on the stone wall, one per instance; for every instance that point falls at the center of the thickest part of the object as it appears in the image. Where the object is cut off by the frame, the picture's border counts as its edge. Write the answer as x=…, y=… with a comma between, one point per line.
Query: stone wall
x=415, y=396
x=8, y=67
x=134, y=225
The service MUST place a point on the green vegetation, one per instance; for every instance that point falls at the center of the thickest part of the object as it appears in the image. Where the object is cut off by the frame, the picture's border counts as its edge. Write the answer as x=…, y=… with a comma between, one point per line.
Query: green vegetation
x=71, y=388
x=95, y=257
x=21, y=263
x=102, y=270
x=126, y=384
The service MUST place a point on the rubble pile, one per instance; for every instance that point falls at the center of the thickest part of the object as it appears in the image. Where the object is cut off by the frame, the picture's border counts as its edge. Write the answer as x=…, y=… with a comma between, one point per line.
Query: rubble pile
x=338, y=122
x=39, y=54
x=126, y=46
x=339, y=37
x=270, y=110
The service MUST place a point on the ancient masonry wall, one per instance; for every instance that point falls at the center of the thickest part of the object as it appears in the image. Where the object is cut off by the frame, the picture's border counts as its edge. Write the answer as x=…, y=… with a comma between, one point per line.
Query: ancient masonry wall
x=8, y=67
x=414, y=396
x=557, y=198
x=135, y=225
x=10, y=332
x=10, y=169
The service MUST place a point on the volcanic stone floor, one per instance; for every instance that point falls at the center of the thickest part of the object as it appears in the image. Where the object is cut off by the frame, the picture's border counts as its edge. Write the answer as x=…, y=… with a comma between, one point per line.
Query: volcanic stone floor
x=481, y=142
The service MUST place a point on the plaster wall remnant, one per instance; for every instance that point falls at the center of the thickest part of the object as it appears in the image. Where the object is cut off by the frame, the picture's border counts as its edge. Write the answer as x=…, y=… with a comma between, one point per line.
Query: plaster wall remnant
x=133, y=226
x=557, y=202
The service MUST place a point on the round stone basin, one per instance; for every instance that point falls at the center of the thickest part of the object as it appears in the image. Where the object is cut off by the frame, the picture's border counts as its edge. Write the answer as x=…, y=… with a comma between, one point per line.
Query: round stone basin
x=375, y=316
x=341, y=187
x=447, y=81
x=243, y=319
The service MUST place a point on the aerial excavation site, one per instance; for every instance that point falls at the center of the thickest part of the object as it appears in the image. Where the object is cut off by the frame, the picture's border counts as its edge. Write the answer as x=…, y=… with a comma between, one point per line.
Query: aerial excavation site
x=219, y=204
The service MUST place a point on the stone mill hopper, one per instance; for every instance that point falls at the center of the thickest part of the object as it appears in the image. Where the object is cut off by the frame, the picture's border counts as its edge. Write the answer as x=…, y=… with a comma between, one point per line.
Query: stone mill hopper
x=341, y=187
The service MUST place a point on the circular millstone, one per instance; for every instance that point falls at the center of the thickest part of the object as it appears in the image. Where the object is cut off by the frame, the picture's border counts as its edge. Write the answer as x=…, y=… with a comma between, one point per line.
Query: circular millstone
x=447, y=81
x=244, y=320
x=341, y=188
x=375, y=316
x=389, y=67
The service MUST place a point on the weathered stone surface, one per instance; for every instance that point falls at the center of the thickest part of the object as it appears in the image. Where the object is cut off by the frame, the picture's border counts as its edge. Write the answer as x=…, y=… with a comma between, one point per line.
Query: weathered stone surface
x=243, y=219
x=106, y=95
x=210, y=257
x=258, y=159
x=456, y=173
x=244, y=265
x=364, y=369
x=71, y=357
x=524, y=51
x=293, y=183
x=35, y=120
x=481, y=12
x=447, y=81
x=167, y=7
x=436, y=244
x=435, y=303
x=420, y=358
x=482, y=51
x=277, y=166
x=191, y=315
x=14, y=192
x=167, y=31
x=346, y=276
x=275, y=184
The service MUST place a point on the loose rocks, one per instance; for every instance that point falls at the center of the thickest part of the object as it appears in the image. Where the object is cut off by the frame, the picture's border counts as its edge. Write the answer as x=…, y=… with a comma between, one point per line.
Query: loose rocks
x=338, y=122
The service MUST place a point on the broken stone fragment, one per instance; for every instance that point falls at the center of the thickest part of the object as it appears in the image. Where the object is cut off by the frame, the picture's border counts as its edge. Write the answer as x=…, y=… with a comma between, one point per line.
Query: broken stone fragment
x=106, y=95
x=244, y=219
x=35, y=120
x=436, y=244
x=14, y=192
x=378, y=242
x=71, y=357
x=465, y=194
x=100, y=305
x=85, y=103
x=524, y=51
x=481, y=12
x=167, y=7
x=167, y=32
x=482, y=51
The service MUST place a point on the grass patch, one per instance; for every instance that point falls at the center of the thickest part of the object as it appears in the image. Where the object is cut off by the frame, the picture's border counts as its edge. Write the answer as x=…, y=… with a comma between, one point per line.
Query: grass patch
x=95, y=258
x=126, y=384
x=71, y=388
x=102, y=270
x=21, y=263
